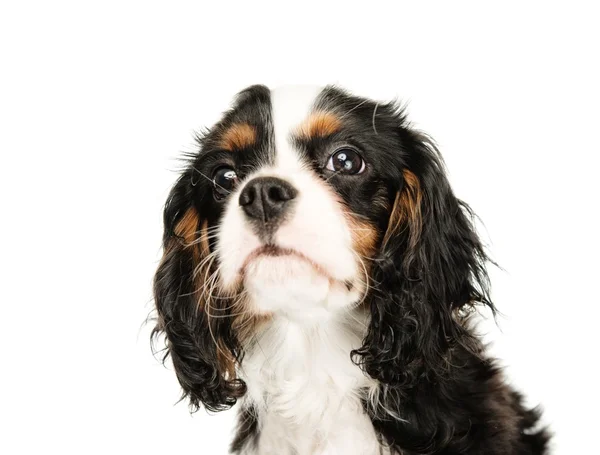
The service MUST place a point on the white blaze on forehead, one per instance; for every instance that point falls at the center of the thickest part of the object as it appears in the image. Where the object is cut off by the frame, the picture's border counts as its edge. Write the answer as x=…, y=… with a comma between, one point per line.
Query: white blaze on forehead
x=315, y=228
x=291, y=106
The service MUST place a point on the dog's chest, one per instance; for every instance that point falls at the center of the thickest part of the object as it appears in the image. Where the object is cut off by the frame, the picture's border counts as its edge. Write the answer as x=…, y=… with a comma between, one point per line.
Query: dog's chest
x=307, y=392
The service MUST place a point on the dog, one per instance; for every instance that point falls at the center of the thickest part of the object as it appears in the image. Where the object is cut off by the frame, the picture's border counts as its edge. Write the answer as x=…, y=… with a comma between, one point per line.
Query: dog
x=319, y=269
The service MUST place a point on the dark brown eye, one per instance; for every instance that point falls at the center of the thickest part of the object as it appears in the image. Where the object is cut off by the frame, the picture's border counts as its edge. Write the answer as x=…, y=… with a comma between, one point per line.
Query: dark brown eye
x=346, y=161
x=224, y=181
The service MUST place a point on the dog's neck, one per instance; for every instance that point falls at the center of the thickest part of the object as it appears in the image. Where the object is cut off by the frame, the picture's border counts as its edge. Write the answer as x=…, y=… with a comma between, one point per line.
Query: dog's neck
x=304, y=387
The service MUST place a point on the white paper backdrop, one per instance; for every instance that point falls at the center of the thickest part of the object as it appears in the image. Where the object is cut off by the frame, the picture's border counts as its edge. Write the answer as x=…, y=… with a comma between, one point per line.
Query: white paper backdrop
x=98, y=99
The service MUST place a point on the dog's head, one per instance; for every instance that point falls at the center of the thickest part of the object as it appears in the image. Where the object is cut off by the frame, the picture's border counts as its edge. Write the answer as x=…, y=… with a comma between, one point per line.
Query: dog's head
x=304, y=203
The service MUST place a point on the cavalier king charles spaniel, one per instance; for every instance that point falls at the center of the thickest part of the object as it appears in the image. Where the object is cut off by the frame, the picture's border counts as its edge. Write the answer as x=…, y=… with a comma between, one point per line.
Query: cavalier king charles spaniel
x=319, y=269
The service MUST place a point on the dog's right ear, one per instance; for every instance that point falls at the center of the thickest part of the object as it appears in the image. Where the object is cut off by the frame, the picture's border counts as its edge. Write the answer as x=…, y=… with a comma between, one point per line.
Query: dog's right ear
x=203, y=349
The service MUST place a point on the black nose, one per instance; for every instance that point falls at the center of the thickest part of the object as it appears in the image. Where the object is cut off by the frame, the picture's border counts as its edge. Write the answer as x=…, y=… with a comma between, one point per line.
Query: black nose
x=266, y=198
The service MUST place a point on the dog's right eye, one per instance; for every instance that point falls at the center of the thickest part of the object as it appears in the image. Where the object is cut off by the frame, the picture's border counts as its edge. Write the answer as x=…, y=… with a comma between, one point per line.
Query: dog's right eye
x=224, y=181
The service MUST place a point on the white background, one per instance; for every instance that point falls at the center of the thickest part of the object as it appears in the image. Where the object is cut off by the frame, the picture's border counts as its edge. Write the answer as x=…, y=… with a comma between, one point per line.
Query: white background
x=98, y=99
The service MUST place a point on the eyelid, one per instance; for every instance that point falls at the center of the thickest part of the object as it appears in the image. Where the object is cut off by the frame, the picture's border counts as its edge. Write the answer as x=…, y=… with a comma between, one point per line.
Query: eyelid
x=363, y=166
x=345, y=145
x=216, y=167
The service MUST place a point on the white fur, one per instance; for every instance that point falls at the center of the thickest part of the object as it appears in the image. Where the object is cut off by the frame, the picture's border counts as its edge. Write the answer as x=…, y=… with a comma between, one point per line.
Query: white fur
x=291, y=105
x=306, y=390
x=300, y=377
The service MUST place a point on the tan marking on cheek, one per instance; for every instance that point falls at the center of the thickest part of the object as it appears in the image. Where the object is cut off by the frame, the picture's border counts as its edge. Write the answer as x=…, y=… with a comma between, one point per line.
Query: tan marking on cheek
x=364, y=237
x=319, y=124
x=364, y=234
x=188, y=225
x=406, y=212
x=238, y=136
x=210, y=298
x=204, y=245
x=364, y=244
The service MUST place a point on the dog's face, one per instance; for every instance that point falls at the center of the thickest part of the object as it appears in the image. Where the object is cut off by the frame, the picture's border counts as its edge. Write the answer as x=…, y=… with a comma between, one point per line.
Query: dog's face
x=297, y=200
x=297, y=185
x=301, y=179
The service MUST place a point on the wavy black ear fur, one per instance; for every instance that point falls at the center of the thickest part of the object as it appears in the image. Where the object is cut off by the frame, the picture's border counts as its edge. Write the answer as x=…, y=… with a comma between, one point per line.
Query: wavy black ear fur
x=202, y=349
x=438, y=392
x=433, y=263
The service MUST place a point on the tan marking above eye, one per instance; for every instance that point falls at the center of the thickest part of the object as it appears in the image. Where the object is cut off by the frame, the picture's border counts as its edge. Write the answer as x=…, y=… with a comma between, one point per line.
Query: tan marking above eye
x=319, y=124
x=238, y=136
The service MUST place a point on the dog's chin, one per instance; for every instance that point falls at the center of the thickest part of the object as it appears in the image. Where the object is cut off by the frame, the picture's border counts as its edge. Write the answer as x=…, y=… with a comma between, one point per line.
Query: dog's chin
x=285, y=282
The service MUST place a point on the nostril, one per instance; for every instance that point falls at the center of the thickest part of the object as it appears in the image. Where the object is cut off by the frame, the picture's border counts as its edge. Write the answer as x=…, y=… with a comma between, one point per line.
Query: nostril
x=248, y=195
x=276, y=194
x=281, y=192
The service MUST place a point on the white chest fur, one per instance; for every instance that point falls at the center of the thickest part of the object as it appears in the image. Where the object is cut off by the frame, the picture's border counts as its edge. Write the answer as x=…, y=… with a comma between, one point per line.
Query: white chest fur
x=306, y=390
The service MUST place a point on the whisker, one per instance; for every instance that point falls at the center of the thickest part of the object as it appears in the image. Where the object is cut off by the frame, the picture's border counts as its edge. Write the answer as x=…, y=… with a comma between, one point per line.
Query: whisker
x=209, y=179
x=358, y=215
x=212, y=335
x=354, y=108
x=210, y=283
x=366, y=283
x=210, y=257
x=202, y=238
x=374, y=113
x=333, y=175
x=236, y=301
x=224, y=316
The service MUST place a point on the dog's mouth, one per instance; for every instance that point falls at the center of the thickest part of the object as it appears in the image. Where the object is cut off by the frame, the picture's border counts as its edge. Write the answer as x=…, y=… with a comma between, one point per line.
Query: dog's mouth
x=271, y=250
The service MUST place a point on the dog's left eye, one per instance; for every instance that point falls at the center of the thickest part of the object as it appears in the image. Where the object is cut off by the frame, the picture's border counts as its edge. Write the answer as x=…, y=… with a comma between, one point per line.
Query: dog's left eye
x=346, y=161
x=224, y=180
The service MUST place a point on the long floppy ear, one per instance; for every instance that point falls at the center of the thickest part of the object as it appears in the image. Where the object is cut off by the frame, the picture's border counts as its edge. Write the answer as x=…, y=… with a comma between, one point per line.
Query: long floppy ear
x=430, y=272
x=203, y=349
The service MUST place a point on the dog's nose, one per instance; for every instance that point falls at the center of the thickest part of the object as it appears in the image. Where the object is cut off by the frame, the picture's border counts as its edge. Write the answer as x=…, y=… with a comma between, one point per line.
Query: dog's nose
x=266, y=198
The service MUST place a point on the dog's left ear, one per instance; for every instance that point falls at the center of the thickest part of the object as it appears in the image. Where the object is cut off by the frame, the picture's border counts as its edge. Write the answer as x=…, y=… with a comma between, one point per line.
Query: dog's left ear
x=430, y=270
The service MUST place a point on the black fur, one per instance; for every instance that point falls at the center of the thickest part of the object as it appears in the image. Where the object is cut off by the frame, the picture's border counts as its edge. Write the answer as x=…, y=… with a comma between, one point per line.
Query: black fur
x=189, y=341
x=191, y=335
x=440, y=393
x=247, y=431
